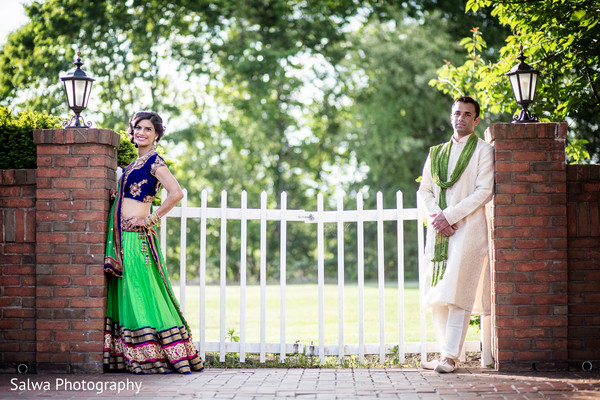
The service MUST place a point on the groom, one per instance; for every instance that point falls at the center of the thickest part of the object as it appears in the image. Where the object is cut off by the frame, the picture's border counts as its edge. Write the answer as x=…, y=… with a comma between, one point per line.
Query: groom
x=458, y=180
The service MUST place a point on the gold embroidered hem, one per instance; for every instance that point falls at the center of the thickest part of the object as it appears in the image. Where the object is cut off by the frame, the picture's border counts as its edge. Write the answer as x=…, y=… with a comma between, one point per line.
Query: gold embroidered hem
x=145, y=351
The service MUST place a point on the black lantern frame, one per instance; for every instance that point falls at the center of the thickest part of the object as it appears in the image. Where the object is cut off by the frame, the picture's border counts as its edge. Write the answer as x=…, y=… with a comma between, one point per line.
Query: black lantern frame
x=78, y=87
x=523, y=80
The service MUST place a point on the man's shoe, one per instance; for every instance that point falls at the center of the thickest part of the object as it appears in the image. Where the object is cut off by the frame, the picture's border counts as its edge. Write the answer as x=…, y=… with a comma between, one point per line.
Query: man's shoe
x=444, y=367
x=429, y=364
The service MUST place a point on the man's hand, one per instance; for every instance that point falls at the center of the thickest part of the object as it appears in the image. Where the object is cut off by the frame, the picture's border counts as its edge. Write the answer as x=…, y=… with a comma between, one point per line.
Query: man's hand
x=441, y=225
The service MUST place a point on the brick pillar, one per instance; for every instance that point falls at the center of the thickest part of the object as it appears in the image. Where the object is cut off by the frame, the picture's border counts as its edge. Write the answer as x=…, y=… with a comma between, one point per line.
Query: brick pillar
x=529, y=251
x=17, y=268
x=75, y=169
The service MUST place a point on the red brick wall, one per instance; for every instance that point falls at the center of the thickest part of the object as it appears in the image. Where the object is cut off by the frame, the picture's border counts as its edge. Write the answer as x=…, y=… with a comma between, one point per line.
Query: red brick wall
x=17, y=268
x=529, y=253
x=583, y=209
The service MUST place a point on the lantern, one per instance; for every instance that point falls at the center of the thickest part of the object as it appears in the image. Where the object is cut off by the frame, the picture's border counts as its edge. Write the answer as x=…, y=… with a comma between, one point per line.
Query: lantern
x=78, y=87
x=523, y=80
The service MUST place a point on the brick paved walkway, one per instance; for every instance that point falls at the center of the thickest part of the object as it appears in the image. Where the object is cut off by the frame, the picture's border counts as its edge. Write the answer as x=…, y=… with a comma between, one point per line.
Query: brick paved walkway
x=242, y=384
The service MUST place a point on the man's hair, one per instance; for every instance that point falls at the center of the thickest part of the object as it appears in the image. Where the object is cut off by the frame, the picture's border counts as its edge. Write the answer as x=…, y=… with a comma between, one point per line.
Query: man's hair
x=469, y=100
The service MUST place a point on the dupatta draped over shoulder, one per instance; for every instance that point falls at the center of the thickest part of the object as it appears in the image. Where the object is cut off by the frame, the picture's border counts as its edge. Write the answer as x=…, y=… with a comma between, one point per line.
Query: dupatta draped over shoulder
x=138, y=182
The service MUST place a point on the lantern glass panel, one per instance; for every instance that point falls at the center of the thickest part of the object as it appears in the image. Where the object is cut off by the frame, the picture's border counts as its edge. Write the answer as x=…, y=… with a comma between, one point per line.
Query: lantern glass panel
x=533, y=85
x=525, y=82
x=80, y=86
x=516, y=87
x=69, y=90
x=88, y=91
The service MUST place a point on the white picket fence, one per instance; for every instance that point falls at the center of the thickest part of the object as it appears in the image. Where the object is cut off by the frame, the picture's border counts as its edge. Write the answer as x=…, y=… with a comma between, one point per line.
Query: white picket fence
x=340, y=217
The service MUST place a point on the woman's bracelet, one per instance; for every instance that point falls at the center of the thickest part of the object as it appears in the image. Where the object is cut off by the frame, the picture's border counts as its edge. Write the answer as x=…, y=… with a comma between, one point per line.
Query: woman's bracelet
x=151, y=220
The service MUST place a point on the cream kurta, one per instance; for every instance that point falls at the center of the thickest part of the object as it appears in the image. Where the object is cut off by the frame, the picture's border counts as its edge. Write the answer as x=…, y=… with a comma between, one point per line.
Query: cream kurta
x=468, y=247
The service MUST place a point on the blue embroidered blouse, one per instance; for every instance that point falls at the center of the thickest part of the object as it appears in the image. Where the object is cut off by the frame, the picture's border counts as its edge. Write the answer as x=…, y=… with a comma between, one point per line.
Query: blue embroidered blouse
x=140, y=182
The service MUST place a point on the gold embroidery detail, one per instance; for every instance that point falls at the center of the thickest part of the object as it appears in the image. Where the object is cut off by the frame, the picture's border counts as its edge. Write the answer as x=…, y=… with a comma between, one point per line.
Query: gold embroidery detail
x=136, y=188
x=141, y=161
x=147, y=350
x=158, y=162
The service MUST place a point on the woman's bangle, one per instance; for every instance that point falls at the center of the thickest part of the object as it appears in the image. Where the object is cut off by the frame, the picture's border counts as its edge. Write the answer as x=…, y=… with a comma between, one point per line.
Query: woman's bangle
x=155, y=218
x=151, y=220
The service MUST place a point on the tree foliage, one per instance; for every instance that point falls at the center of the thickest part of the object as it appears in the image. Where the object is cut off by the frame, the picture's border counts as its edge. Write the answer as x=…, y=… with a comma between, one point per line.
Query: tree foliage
x=560, y=39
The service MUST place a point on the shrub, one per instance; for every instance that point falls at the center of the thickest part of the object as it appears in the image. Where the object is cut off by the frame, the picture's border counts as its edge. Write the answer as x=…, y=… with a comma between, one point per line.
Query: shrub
x=16, y=137
x=127, y=151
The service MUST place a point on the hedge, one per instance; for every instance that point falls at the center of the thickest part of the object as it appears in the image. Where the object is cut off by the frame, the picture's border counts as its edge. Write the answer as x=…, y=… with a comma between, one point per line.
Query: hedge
x=16, y=137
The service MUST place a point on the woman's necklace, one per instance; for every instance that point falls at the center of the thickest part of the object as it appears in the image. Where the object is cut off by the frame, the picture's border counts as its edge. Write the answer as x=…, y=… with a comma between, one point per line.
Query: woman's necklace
x=145, y=156
x=142, y=159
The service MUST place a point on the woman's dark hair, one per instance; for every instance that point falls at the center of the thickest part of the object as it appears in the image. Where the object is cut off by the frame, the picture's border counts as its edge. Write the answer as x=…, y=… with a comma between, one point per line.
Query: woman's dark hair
x=150, y=116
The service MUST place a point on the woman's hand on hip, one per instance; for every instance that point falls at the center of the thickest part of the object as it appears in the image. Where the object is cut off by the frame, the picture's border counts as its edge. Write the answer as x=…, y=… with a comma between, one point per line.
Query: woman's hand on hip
x=132, y=222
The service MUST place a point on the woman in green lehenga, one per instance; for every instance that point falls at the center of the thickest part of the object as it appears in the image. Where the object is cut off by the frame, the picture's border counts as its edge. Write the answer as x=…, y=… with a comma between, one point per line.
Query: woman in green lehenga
x=145, y=332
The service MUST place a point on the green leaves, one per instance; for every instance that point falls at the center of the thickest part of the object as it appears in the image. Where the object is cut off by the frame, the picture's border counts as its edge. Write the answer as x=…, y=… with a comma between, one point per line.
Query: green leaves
x=576, y=152
x=127, y=151
x=578, y=15
x=16, y=137
x=467, y=78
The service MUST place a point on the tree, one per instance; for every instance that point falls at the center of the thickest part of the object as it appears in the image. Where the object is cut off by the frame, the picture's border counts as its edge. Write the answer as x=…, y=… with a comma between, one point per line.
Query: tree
x=458, y=19
x=560, y=39
x=123, y=44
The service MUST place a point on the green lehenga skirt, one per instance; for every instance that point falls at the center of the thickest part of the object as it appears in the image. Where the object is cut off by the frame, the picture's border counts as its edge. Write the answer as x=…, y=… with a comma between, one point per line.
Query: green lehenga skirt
x=145, y=331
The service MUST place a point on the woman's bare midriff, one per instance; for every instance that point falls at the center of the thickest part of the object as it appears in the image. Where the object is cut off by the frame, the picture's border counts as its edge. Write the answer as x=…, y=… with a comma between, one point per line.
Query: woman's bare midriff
x=133, y=208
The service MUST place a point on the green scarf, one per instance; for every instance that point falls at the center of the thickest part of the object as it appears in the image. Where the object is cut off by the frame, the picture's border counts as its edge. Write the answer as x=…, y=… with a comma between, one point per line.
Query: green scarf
x=440, y=156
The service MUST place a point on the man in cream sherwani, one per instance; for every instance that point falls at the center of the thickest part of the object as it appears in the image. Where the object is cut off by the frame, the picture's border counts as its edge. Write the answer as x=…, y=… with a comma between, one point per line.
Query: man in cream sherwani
x=457, y=239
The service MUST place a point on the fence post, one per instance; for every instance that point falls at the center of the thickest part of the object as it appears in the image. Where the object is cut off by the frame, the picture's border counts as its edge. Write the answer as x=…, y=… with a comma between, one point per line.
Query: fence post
x=400, y=263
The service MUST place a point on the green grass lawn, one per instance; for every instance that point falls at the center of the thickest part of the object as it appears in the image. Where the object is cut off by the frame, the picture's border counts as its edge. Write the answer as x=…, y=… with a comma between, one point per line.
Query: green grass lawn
x=302, y=314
